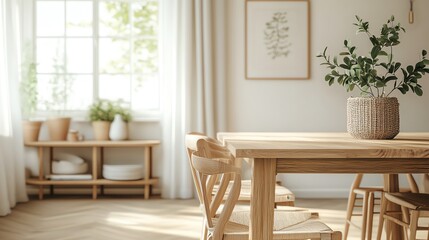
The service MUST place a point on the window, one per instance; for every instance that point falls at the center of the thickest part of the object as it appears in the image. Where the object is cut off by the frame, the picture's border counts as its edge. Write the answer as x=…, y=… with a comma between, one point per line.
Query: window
x=96, y=49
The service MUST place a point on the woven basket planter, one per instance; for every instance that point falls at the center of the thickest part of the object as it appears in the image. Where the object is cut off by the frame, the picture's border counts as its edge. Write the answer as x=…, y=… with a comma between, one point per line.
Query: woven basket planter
x=373, y=118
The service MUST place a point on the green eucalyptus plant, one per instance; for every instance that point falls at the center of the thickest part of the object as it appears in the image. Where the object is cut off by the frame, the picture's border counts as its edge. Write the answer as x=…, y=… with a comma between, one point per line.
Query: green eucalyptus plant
x=372, y=74
x=105, y=110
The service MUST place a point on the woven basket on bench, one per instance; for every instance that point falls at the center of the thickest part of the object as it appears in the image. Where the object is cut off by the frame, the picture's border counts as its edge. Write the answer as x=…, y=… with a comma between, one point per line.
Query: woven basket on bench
x=373, y=118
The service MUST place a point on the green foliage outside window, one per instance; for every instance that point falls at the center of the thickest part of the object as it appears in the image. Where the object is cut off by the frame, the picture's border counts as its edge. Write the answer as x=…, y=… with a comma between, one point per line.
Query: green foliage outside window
x=144, y=31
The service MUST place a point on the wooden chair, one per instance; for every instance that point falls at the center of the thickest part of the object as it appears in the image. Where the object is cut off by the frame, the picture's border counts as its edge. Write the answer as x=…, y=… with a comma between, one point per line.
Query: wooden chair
x=413, y=205
x=368, y=202
x=208, y=162
x=283, y=196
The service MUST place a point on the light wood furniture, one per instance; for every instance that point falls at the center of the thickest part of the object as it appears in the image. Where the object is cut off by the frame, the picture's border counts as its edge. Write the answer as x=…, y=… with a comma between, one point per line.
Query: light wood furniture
x=283, y=196
x=414, y=206
x=272, y=153
x=207, y=162
x=97, y=161
x=367, y=207
x=367, y=203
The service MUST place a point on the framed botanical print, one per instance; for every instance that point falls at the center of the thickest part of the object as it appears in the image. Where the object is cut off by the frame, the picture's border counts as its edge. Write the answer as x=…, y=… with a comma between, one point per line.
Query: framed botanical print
x=277, y=39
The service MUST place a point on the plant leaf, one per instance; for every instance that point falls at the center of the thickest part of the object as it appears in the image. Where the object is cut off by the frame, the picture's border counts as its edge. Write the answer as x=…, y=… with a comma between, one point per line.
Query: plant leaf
x=418, y=91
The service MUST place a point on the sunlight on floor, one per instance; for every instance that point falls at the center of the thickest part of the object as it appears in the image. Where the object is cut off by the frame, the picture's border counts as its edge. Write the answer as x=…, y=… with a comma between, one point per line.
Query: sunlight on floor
x=166, y=224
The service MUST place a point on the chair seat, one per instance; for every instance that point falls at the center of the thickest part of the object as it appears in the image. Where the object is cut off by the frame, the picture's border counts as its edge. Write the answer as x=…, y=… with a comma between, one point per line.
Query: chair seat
x=310, y=228
x=282, y=194
x=415, y=201
x=282, y=218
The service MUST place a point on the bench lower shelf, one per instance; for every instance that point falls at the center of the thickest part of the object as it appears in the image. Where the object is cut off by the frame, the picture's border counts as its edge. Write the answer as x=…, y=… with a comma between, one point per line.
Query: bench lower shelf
x=142, y=182
x=147, y=183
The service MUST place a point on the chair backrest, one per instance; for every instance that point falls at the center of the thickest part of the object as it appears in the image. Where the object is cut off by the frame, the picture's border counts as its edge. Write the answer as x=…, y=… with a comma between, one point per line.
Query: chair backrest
x=207, y=162
x=217, y=150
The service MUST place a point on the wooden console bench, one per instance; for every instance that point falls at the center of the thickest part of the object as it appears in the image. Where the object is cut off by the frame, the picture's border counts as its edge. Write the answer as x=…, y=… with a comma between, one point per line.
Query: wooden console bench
x=97, y=157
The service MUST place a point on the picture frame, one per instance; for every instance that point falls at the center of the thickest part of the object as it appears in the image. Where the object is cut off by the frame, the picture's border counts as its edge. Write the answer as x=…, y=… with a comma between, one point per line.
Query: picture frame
x=277, y=39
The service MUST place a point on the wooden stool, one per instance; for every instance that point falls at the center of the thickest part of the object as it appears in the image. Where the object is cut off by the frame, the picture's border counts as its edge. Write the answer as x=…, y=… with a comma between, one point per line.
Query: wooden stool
x=368, y=203
x=413, y=205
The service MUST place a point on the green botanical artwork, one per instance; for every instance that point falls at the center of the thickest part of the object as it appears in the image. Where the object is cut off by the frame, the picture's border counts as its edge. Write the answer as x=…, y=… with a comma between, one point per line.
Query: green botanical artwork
x=277, y=36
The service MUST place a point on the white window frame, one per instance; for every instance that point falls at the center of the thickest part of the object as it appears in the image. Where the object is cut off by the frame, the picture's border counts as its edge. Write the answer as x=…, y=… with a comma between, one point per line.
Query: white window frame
x=29, y=35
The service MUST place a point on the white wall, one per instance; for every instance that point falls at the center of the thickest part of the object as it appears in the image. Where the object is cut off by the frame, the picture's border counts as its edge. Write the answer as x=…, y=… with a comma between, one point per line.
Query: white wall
x=311, y=105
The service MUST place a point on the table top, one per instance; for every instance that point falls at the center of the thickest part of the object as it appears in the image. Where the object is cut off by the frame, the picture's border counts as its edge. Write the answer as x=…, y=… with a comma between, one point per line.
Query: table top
x=323, y=145
x=127, y=143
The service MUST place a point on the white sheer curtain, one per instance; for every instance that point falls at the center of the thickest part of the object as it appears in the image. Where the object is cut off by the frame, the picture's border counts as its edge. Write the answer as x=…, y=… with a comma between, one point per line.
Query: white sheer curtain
x=12, y=177
x=192, y=50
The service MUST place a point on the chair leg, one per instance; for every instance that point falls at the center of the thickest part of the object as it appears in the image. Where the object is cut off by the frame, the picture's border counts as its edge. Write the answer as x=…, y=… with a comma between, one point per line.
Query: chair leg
x=350, y=207
x=413, y=224
x=364, y=215
x=351, y=203
x=405, y=219
x=370, y=215
x=428, y=232
x=383, y=208
x=204, y=231
x=336, y=236
x=412, y=183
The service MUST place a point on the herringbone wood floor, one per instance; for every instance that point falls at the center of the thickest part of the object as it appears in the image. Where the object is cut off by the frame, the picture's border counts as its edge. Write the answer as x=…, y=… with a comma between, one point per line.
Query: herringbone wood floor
x=122, y=219
x=129, y=219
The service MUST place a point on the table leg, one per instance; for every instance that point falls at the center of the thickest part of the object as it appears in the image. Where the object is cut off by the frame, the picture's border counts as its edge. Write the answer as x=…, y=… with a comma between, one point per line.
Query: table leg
x=391, y=184
x=262, y=199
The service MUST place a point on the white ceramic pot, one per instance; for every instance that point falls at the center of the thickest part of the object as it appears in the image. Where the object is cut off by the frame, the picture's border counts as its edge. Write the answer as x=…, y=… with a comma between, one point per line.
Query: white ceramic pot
x=118, y=129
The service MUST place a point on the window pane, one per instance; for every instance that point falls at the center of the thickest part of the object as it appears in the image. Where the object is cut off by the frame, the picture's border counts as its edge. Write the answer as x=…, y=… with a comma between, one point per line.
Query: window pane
x=114, y=18
x=50, y=18
x=64, y=92
x=80, y=92
x=145, y=95
x=114, y=56
x=79, y=55
x=50, y=55
x=79, y=18
x=145, y=18
x=114, y=87
x=126, y=53
x=145, y=56
x=52, y=94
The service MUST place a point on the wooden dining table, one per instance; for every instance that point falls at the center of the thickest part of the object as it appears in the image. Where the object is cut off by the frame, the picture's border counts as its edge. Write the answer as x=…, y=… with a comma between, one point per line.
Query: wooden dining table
x=330, y=153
